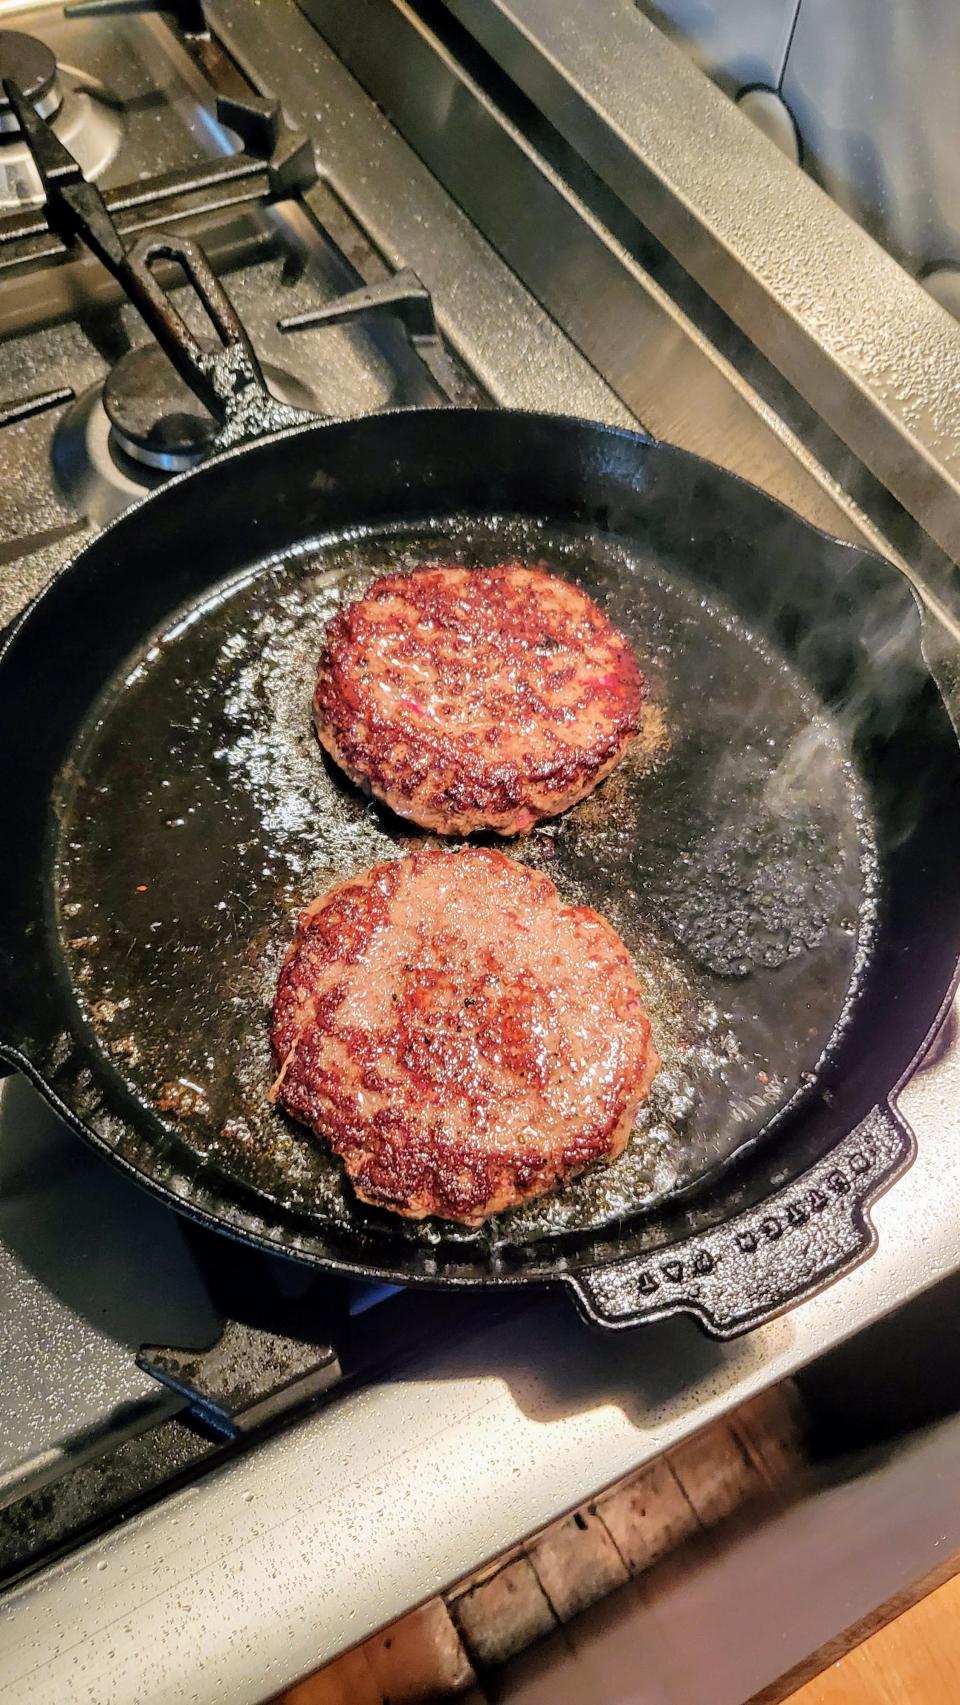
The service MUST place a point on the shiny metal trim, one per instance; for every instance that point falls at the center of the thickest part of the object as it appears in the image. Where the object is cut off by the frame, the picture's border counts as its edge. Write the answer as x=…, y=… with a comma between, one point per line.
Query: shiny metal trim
x=47, y=104
x=504, y=336
x=855, y=335
x=724, y=403
x=665, y=370
x=165, y=461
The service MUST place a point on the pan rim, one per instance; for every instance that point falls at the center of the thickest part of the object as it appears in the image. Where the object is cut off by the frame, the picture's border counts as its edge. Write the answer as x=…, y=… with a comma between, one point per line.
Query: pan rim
x=231, y=1222
x=621, y=434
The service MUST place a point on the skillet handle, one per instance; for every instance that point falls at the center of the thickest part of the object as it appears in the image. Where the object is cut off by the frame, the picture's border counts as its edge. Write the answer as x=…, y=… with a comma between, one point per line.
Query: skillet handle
x=748, y=1270
x=228, y=380
x=215, y=376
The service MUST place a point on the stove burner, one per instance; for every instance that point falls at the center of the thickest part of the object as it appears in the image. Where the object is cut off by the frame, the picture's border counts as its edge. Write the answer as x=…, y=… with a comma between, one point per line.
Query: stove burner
x=155, y=418
x=122, y=439
x=91, y=128
x=31, y=65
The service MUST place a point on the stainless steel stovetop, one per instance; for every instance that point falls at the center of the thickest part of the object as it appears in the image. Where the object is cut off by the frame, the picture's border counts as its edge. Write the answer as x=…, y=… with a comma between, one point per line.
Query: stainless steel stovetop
x=316, y=151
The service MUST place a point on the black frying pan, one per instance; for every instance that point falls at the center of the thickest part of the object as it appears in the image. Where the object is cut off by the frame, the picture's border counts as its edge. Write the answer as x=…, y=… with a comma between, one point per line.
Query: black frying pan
x=777, y=850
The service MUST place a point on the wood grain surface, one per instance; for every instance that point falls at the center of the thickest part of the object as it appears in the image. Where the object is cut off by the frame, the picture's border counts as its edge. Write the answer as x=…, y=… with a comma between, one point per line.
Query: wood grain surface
x=914, y=1660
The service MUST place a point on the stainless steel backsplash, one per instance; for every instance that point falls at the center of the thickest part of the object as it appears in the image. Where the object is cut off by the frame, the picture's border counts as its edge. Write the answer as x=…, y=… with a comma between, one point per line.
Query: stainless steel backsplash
x=871, y=86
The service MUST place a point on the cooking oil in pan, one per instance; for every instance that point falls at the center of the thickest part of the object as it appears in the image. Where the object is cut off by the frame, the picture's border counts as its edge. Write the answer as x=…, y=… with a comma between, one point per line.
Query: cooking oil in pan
x=731, y=849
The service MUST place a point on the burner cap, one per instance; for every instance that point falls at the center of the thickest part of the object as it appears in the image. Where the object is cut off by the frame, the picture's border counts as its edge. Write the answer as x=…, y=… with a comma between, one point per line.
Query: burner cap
x=156, y=418
x=33, y=68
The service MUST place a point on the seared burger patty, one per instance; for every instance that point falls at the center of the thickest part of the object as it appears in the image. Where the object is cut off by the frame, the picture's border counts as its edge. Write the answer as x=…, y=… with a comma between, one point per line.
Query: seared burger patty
x=459, y=1036
x=476, y=698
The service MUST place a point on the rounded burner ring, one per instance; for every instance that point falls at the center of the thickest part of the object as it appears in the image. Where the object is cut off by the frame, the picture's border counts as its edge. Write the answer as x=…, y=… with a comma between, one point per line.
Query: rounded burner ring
x=32, y=66
x=155, y=418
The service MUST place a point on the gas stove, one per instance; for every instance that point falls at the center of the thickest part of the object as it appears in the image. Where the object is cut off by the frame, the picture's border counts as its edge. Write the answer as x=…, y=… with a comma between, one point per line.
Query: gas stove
x=399, y=217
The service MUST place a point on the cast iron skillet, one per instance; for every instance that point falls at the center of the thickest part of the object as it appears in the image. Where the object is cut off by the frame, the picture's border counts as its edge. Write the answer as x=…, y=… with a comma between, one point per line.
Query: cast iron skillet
x=778, y=850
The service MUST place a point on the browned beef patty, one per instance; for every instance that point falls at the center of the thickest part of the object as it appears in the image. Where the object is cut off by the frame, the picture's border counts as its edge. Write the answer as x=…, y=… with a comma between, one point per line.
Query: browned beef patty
x=459, y=1036
x=476, y=698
